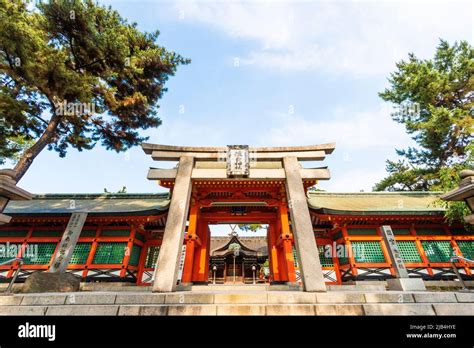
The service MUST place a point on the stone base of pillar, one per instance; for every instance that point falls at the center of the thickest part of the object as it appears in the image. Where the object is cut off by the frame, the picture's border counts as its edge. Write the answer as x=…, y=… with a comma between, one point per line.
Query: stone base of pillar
x=406, y=284
x=51, y=282
x=285, y=286
x=294, y=286
x=184, y=287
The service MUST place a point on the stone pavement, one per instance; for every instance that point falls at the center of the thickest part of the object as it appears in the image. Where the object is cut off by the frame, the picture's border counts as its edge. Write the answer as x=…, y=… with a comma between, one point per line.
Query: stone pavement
x=244, y=302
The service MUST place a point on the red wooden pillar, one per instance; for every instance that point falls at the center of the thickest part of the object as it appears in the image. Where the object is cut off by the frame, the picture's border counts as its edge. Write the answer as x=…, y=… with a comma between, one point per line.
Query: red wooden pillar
x=90, y=258
x=335, y=262
x=350, y=257
x=287, y=245
x=191, y=240
x=272, y=253
x=421, y=251
x=280, y=250
x=21, y=252
x=128, y=251
x=208, y=253
x=457, y=251
x=141, y=262
x=290, y=263
x=201, y=253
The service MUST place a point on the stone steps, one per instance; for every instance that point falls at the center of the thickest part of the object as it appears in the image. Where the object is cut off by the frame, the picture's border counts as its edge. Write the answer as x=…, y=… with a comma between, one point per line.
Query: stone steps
x=241, y=303
x=450, y=285
x=229, y=287
x=243, y=309
x=379, y=286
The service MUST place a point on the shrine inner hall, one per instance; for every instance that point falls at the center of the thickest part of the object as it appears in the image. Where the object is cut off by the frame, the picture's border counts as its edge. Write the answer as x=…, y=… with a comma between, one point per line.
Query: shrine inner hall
x=163, y=240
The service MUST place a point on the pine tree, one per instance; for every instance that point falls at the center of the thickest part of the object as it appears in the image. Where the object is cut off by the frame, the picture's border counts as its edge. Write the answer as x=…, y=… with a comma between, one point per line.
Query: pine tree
x=73, y=73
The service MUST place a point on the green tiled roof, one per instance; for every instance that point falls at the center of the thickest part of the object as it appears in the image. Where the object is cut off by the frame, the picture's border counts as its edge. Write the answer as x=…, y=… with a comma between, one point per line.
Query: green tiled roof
x=365, y=203
x=125, y=204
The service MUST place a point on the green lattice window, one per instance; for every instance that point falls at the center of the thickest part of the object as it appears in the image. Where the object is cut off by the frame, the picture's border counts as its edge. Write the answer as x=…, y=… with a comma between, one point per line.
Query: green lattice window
x=408, y=251
x=80, y=253
x=109, y=253
x=152, y=256
x=437, y=250
x=39, y=254
x=325, y=261
x=367, y=252
x=135, y=255
x=467, y=248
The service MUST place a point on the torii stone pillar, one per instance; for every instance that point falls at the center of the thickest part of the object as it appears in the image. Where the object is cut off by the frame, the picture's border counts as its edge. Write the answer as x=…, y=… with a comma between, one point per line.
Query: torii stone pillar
x=305, y=243
x=166, y=272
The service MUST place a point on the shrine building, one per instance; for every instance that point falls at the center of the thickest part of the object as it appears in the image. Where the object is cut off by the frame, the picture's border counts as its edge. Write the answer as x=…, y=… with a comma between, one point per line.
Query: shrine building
x=163, y=240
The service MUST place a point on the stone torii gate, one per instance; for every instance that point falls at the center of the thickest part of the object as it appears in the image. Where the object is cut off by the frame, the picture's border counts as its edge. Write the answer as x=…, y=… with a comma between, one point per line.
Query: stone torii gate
x=237, y=163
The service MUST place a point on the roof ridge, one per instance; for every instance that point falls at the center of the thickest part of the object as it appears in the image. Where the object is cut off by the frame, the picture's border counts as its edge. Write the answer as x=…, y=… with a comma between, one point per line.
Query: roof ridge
x=99, y=195
x=135, y=194
x=406, y=193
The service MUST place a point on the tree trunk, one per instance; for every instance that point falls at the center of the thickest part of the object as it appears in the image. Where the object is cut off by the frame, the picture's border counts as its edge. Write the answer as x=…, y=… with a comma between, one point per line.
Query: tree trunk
x=29, y=155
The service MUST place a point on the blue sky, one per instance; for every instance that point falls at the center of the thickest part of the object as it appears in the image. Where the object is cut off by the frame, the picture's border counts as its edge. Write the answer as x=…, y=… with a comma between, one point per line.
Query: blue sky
x=272, y=73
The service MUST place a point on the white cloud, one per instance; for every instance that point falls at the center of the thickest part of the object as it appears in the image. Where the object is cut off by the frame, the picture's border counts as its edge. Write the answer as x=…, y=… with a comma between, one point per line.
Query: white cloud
x=356, y=37
x=351, y=130
x=258, y=20
x=364, y=139
x=181, y=130
x=354, y=180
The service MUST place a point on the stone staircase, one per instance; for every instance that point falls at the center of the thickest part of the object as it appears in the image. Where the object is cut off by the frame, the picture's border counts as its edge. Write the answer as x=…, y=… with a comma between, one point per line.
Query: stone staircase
x=244, y=302
x=235, y=287
x=444, y=285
